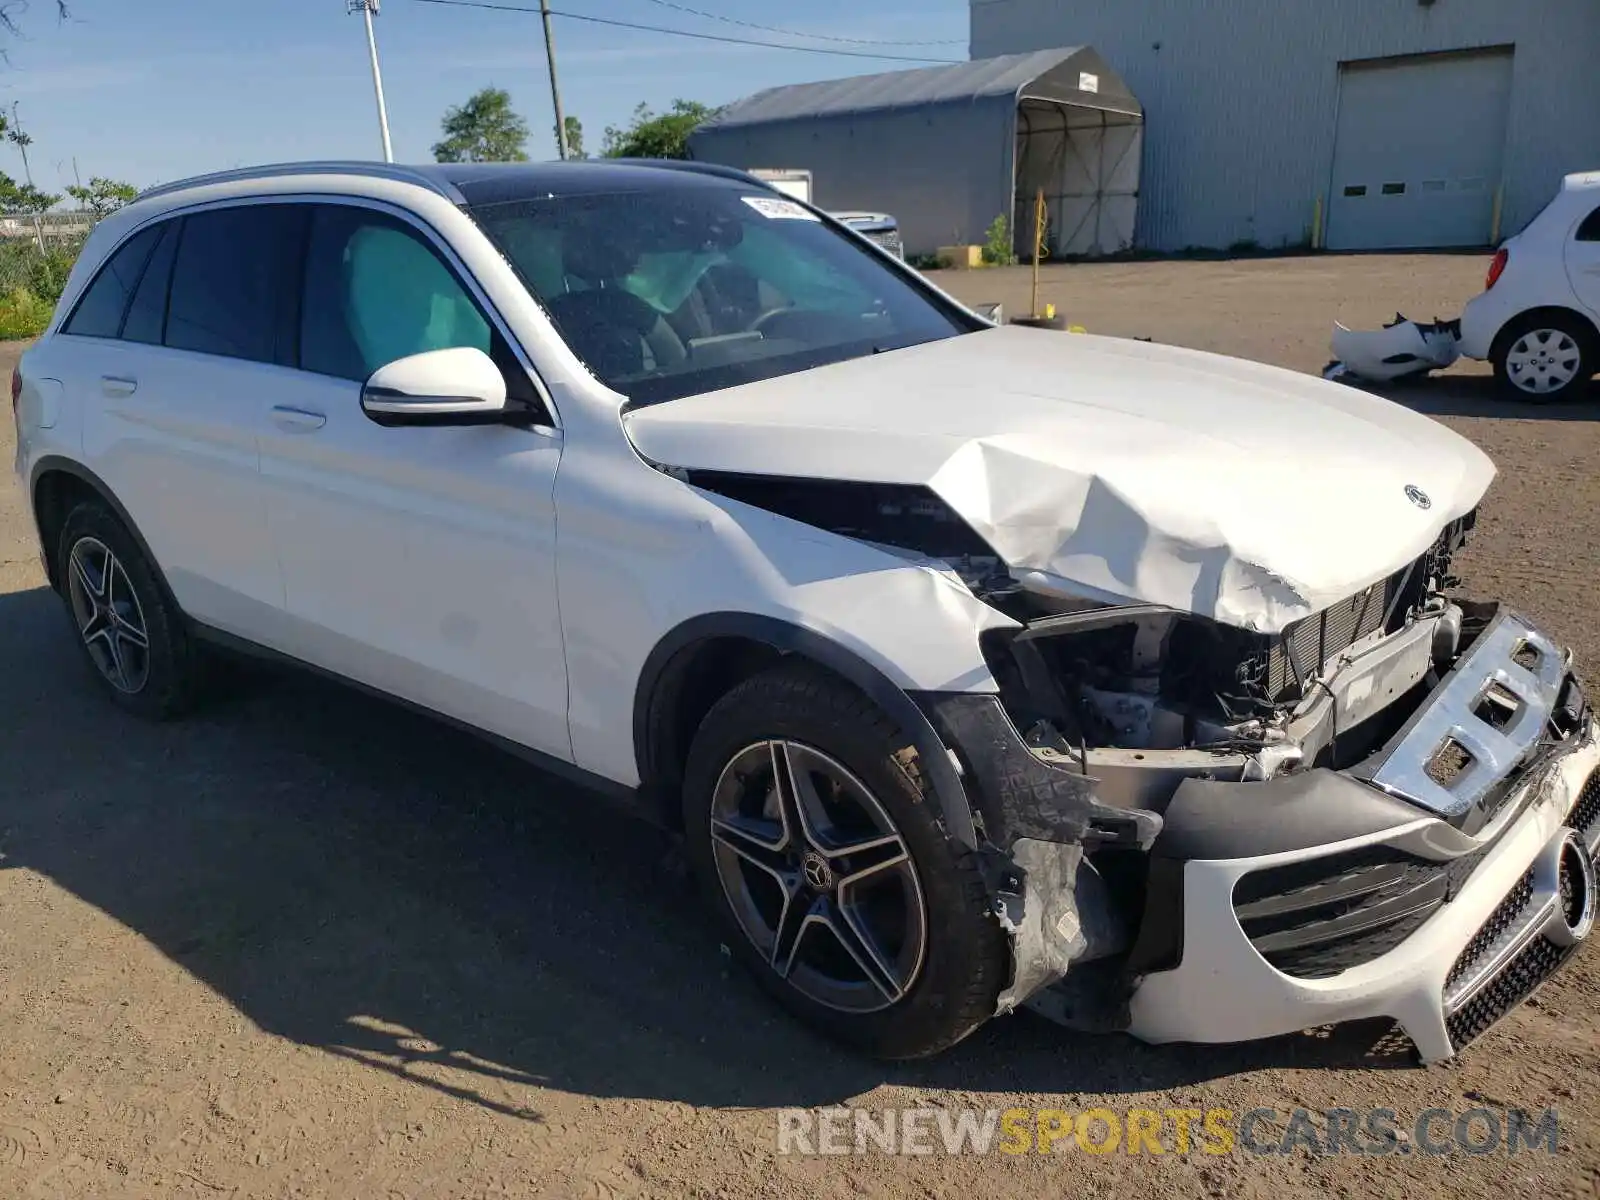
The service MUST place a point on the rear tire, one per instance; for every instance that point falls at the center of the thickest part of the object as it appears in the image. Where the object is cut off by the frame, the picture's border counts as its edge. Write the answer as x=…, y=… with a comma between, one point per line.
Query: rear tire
x=797, y=785
x=1545, y=357
x=129, y=628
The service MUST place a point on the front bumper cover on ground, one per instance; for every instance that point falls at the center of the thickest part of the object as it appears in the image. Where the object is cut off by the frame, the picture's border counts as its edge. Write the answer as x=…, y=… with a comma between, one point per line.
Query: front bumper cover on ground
x=1321, y=896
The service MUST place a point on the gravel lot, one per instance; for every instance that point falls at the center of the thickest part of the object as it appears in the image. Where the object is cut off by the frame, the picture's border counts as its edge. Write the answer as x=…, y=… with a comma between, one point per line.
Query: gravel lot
x=308, y=945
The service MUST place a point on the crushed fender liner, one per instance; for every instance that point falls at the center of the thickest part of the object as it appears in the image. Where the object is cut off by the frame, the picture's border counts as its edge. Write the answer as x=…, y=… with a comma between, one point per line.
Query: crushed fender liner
x=1038, y=821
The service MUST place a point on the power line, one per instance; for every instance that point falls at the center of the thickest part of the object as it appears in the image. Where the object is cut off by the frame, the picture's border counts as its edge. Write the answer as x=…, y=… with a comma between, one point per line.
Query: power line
x=817, y=37
x=704, y=37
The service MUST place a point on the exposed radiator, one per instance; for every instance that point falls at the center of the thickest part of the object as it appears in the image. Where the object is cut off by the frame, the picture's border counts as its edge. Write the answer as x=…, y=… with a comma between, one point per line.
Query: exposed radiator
x=1307, y=644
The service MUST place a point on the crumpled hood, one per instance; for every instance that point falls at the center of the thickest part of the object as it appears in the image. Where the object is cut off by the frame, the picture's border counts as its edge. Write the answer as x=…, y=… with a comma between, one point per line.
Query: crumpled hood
x=1112, y=469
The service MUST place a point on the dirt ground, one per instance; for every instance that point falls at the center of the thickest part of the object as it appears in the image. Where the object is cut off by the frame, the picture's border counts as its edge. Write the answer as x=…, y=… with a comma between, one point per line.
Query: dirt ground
x=307, y=945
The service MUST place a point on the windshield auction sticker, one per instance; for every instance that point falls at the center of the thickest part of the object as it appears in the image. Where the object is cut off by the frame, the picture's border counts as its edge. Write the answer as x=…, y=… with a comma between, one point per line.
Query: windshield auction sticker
x=778, y=210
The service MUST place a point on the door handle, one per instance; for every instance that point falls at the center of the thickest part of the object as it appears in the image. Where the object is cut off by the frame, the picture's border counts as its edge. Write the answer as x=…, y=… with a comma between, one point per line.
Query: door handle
x=118, y=385
x=297, y=420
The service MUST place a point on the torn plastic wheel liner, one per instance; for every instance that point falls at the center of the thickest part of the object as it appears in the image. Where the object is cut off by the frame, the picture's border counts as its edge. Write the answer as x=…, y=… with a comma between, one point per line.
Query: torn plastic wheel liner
x=1039, y=822
x=1402, y=349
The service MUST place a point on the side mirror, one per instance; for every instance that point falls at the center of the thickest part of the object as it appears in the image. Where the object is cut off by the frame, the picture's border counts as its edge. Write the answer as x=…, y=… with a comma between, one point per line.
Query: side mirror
x=460, y=386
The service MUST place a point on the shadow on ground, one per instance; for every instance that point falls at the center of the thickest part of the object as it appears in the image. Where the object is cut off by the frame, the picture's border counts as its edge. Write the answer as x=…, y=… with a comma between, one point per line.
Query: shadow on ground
x=360, y=879
x=1479, y=396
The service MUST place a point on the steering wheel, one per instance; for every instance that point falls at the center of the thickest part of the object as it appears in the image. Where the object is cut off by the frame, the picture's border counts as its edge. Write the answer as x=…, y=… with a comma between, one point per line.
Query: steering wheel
x=759, y=325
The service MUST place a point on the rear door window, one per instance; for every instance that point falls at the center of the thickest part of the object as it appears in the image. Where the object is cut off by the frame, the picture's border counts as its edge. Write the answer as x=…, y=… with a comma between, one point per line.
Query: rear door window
x=233, y=282
x=100, y=312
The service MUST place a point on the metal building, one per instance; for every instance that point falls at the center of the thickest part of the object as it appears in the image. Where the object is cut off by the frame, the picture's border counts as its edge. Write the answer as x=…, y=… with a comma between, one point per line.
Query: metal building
x=1416, y=123
x=948, y=149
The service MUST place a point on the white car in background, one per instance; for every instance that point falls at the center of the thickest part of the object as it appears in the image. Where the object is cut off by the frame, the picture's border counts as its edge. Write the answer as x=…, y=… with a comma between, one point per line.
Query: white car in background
x=1538, y=321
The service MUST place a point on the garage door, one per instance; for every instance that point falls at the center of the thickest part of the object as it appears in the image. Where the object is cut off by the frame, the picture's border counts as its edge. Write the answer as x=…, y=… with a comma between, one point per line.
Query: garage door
x=1417, y=154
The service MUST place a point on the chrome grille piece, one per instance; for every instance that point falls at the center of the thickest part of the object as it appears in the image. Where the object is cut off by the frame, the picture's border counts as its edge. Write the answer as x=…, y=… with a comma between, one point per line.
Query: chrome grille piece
x=1547, y=913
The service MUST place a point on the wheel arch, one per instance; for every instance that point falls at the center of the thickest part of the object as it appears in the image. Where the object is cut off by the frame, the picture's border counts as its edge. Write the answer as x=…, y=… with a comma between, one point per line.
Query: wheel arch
x=700, y=660
x=1498, y=345
x=55, y=485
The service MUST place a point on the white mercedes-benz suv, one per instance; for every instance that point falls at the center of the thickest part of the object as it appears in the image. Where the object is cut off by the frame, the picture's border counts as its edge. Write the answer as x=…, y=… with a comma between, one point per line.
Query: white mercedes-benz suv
x=978, y=666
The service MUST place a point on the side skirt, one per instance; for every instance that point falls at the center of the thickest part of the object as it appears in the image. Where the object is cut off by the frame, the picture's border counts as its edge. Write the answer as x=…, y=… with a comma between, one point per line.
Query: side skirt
x=634, y=801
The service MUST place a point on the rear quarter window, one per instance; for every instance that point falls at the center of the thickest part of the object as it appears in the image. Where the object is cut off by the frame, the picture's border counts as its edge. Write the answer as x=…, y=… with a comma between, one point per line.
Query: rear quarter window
x=1589, y=230
x=105, y=302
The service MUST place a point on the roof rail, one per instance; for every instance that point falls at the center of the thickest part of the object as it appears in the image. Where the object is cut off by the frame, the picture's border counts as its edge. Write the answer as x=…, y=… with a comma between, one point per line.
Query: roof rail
x=697, y=167
x=373, y=170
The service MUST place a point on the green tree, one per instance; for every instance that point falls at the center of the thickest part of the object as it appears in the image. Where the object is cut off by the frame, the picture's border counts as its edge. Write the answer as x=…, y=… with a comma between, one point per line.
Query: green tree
x=484, y=129
x=102, y=196
x=575, y=138
x=29, y=200
x=657, y=135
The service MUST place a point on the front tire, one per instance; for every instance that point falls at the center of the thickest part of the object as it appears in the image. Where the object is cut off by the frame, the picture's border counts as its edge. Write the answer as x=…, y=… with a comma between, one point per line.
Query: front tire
x=129, y=628
x=814, y=843
x=1544, y=357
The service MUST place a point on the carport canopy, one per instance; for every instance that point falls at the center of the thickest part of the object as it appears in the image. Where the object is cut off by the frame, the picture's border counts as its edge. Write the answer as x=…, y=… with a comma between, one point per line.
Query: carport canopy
x=947, y=149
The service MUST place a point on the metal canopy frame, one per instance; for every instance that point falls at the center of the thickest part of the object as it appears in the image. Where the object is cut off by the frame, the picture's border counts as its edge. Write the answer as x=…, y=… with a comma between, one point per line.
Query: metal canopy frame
x=1064, y=146
x=946, y=147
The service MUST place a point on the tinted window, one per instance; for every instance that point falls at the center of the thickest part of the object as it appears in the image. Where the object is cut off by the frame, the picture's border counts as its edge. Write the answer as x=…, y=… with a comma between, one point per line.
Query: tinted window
x=99, y=313
x=375, y=291
x=1589, y=231
x=686, y=289
x=147, y=313
x=229, y=281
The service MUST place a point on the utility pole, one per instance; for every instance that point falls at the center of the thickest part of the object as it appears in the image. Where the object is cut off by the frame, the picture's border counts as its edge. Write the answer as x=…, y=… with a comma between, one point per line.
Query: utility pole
x=368, y=9
x=22, y=140
x=555, y=88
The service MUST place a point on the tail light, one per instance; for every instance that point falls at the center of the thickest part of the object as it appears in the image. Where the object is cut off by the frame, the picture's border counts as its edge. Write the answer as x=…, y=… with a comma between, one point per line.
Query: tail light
x=1497, y=268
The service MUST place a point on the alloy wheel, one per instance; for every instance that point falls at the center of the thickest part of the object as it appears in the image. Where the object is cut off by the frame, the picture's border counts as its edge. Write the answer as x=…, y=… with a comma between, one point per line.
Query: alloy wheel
x=1542, y=361
x=110, y=619
x=819, y=878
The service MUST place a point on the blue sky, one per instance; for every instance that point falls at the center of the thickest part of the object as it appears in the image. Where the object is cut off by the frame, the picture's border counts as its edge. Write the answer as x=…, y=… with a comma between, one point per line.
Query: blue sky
x=151, y=90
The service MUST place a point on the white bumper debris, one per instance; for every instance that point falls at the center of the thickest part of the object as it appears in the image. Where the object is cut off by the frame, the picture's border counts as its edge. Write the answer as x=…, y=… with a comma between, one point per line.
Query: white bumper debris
x=1400, y=350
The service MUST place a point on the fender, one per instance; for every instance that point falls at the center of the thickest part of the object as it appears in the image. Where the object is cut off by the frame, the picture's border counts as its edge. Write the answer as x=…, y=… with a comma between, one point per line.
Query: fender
x=48, y=463
x=933, y=756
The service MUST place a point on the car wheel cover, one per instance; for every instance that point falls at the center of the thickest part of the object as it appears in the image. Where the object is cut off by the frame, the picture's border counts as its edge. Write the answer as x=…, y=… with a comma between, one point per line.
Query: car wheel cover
x=110, y=618
x=1542, y=361
x=819, y=878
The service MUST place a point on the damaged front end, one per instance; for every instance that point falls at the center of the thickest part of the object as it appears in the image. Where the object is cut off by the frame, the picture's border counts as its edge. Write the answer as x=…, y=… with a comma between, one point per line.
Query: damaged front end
x=1128, y=741
x=1211, y=811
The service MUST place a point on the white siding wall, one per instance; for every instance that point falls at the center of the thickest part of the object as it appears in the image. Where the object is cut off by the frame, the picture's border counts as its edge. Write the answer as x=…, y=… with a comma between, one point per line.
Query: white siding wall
x=1241, y=96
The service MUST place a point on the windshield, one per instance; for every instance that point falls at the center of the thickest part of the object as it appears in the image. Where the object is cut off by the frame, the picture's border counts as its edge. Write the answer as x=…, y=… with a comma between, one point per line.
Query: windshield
x=681, y=290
